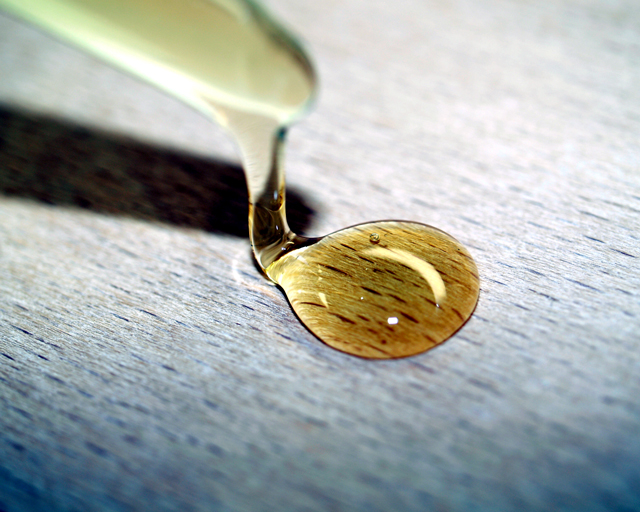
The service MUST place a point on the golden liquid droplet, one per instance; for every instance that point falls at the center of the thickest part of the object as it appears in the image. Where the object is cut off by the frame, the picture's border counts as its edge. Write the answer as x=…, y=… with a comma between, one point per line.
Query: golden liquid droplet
x=414, y=290
x=380, y=290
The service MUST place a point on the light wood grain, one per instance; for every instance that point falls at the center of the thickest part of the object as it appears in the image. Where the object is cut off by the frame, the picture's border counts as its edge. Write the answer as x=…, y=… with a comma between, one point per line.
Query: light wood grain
x=145, y=364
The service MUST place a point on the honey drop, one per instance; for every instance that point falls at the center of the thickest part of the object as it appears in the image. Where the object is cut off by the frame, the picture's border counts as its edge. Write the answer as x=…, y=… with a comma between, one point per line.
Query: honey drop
x=410, y=292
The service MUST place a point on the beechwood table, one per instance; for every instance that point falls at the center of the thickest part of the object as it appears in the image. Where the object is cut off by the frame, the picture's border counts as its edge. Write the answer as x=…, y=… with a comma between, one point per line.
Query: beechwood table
x=145, y=364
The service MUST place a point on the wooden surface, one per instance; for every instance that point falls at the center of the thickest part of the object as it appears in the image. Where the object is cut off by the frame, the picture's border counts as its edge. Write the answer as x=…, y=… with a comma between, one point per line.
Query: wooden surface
x=145, y=364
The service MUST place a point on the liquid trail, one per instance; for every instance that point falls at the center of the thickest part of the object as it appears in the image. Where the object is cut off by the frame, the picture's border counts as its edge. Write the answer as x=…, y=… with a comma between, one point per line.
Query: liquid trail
x=378, y=290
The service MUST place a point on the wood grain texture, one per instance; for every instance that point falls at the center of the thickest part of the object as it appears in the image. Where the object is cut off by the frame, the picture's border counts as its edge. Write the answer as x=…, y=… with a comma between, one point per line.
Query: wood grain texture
x=146, y=365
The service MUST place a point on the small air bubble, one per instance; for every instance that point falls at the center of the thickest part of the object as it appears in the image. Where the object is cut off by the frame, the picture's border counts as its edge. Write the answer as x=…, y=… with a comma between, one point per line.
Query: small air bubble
x=374, y=238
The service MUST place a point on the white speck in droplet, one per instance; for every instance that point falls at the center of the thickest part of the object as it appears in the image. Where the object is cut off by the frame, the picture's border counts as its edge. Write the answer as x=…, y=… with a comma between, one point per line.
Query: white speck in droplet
x=361, y=298
x=393, y=320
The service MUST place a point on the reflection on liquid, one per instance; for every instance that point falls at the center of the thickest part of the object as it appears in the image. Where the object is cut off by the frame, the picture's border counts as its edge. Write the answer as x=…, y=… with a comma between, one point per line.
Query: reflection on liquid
x=425, y=269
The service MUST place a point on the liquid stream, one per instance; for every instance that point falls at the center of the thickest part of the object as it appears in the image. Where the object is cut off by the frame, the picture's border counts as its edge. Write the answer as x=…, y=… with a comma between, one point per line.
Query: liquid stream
x=379, y=290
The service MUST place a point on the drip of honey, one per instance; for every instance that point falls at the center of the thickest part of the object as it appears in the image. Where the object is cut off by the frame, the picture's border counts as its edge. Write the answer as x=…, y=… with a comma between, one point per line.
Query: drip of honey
x=379, y=290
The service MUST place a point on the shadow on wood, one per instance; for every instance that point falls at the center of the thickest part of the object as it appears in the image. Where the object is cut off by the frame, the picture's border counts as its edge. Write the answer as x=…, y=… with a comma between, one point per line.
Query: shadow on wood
x=64, y=164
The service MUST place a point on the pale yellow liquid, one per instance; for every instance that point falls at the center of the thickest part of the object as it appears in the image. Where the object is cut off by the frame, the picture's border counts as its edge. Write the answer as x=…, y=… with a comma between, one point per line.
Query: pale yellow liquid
x=379, y=290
